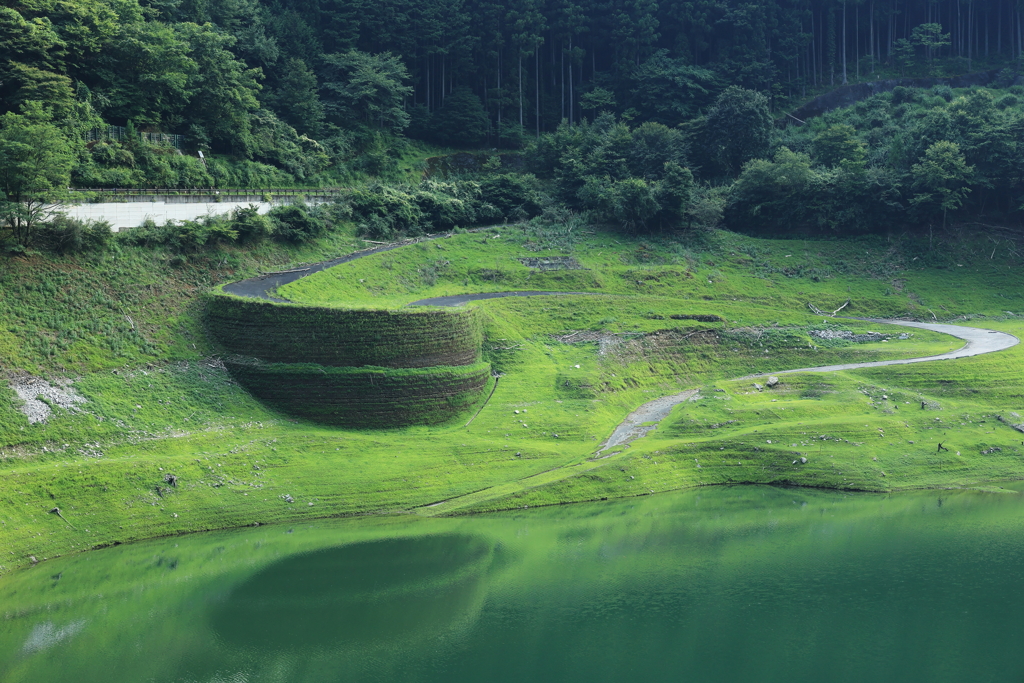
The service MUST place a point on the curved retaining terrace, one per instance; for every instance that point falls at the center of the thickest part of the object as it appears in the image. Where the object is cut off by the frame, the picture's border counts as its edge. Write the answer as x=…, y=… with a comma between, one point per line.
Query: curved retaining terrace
x=349, y=367
x=405, y=339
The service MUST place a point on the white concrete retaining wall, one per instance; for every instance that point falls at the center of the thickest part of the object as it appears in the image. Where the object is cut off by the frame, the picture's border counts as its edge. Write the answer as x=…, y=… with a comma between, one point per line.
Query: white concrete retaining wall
x=122, y=215
x=131, y=214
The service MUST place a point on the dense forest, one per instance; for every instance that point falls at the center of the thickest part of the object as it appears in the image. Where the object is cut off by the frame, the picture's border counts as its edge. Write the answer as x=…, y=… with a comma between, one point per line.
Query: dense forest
x=650, y=114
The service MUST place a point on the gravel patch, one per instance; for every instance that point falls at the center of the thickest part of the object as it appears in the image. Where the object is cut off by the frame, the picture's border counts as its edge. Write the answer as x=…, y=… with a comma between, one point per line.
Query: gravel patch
x=39, y=396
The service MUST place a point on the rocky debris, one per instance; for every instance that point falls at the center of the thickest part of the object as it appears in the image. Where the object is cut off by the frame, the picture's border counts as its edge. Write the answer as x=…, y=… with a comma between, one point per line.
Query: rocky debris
x=606, y=341
x=1018, y=427
x=772, y=381
x=757, y=386
x=551, y=263
x=38, y=396
x=994, y=449
x=287, y=498
x=851, y=336
x=171, y=479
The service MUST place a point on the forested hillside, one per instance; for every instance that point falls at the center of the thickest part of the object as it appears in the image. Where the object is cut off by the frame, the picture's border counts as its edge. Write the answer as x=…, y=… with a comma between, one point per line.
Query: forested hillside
x=642, y=112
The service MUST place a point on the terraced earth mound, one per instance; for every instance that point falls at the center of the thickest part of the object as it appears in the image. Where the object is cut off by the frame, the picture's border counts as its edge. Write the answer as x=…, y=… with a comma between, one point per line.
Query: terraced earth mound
x=352, y=367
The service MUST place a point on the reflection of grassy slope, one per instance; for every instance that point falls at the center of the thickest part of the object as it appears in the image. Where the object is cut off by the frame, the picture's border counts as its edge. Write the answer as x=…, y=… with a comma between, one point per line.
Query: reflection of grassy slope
x=159, y=595
x=198, y=425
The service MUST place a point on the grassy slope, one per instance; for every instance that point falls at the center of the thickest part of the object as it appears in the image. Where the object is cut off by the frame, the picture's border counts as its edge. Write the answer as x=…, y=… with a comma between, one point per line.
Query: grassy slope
x=236, y=461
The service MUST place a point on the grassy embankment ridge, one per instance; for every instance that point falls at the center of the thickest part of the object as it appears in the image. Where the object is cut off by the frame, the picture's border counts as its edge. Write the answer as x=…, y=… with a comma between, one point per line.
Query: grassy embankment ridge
x=171, y=408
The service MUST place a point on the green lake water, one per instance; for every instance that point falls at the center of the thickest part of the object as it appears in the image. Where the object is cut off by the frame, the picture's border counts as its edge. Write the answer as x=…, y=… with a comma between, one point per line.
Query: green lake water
x=719, y=584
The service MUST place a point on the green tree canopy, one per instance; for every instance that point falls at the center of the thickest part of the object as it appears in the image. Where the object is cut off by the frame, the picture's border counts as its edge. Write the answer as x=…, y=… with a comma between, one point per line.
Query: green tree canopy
x=35, y=169
x=738, y=127
x=942, y=178
x=360, y=87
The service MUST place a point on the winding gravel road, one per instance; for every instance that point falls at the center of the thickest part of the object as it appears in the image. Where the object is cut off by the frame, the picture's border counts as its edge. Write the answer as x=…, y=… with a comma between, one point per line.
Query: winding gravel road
x=645, y=418
x=978, y=340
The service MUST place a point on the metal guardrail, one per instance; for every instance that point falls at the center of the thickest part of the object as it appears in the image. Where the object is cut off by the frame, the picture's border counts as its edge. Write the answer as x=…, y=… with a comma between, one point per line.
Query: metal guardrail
x=215, y=192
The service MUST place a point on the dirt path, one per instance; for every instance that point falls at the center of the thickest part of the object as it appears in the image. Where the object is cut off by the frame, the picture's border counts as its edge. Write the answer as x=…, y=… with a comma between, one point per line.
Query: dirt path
x=264, y=286
x=978, y=340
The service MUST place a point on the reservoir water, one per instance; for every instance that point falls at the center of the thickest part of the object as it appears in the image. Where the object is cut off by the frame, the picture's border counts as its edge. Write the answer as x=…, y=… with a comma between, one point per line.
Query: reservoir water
x=718, y=584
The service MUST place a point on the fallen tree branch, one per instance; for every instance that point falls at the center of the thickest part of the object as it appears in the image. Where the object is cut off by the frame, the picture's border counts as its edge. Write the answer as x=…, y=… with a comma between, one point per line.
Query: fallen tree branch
x=818, y=311
x=56, y=511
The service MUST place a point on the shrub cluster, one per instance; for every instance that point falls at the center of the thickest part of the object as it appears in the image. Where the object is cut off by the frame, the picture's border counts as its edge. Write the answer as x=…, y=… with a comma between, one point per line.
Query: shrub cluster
x=634, y=177
x=65, y=235
x=293, y=223
x=384, y=211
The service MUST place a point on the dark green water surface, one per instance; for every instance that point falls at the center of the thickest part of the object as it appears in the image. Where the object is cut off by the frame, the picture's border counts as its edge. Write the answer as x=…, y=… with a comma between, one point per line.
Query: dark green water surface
x=724, y=584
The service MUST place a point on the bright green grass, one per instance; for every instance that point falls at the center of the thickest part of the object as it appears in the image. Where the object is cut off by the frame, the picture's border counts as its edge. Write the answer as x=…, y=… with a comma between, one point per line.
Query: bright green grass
x=236, y=461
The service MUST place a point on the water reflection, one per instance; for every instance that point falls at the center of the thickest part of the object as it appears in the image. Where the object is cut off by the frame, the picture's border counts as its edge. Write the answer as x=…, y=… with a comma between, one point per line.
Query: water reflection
x=374, y=593
x=741, y=584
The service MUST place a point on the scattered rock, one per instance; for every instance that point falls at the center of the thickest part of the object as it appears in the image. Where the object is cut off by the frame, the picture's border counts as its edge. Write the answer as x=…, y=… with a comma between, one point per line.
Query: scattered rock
x=32, y=559
x=551, y=263
x=803, y=461
x=172, y=480
x=773, y=380
x=38, y=396
x=1018, y=427
x=288, y=499
x=757, y=386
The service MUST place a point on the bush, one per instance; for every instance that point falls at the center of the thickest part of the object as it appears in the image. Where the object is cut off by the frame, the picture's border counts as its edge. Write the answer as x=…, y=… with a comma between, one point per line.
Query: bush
x=1007, y=101
x=385, y=211
x=66, y=235
x=297, y=223
x=250, y=225
x=943, y=91
x=514, y=196
x=389, y=211
x=901, y=95
x=183, y=236
x=446, y=205
x=192, y=236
